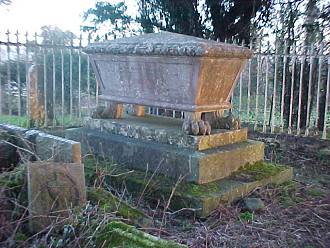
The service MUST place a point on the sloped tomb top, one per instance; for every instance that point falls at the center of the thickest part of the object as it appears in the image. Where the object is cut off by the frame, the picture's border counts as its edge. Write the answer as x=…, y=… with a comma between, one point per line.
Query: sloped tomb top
x=168, y=44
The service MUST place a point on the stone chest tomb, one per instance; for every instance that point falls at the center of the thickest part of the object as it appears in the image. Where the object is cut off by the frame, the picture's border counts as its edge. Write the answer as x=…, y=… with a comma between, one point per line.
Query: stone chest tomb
x=168, y=70
x=178, y=72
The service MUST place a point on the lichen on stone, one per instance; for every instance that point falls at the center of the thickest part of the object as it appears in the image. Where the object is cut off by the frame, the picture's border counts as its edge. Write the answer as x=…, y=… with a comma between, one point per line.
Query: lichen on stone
x=168, y=44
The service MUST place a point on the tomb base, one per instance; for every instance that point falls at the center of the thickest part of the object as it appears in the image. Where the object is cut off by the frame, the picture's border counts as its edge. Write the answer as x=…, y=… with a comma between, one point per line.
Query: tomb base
x=162, y=147
x=216, y=168
x=203, y=198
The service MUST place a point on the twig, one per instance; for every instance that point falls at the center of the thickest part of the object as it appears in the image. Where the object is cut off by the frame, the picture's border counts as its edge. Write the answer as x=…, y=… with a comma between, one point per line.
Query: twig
x=170, y=198
x=152, y=176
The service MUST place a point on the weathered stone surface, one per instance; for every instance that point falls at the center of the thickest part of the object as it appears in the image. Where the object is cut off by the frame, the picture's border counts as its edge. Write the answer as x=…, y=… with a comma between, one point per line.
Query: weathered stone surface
x=184, y=72
x=13, y=130
x=165, y=130
x=53, y=188
x=228, y=159
x=206, y=197
x=197, y=166
x=253, y=204
x=31, y=135
x=169, y=44
x=119, y=234
x=36, y=97
x=49, y=147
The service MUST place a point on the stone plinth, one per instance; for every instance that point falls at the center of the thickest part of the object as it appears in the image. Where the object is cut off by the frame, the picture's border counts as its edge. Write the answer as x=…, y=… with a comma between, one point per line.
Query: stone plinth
x=159, y=145
x=165, y=130
x=206, y=197
x=53, y=188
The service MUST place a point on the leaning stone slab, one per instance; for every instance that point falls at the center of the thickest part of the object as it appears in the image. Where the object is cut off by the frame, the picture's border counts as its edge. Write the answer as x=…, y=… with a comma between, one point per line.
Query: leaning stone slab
x=53, y=188
x=206, y=197
x=197, y=166
x=165, y=130
x=119, y=234
x=50, y=147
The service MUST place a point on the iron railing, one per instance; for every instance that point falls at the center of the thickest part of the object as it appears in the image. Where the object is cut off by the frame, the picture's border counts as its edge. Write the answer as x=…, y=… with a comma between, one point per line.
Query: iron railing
x=282, y=89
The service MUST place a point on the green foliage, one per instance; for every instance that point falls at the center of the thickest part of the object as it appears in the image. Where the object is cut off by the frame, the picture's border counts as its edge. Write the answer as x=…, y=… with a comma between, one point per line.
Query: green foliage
x=54, y=35
x=113, y=16
x=246, y=216
x=212, y=19
x=20, y=121
x=175, y=16
x=315, y=192
x=290, y=194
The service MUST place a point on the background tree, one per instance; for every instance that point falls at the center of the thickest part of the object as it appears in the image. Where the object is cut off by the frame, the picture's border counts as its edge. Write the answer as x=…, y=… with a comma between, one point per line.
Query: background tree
x=213, y=19
x=109, y=18
x=180, y=16
x=237, y=18
x=52, y=35
x=5, y=2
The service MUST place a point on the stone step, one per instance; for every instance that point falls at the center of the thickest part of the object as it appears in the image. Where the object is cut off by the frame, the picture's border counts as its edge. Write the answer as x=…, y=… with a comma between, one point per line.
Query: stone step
x=196, y=166
x=207, y=197
x=165, y=130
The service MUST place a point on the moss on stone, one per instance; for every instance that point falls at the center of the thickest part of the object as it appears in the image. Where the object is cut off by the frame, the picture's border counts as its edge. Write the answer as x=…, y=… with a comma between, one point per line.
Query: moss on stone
x=257, y=171
x=201, y=189
x=201, y=197
x=110, y=203
x=119, y=234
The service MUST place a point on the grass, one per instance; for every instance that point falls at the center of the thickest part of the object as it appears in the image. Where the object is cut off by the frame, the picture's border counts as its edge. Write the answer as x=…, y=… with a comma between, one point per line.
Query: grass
x=251, y=118
x=246, y=216
x=14, y=120
x=22, y=121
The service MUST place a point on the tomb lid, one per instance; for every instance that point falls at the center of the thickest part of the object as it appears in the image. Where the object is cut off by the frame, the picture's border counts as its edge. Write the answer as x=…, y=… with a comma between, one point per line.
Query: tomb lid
x=168, y=44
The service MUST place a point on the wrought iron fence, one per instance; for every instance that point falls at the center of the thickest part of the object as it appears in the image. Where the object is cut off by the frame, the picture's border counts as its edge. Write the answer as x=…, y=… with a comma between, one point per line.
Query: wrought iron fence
x=282, y=89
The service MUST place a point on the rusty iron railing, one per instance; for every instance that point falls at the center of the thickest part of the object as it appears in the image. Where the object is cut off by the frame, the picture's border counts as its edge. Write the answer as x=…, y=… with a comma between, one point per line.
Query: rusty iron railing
x=282, y=89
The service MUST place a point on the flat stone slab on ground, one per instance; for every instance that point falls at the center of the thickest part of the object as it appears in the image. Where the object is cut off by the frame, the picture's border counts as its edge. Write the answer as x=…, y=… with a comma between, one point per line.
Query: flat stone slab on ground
x=197, y=166
x=207, y=197
x=165, y=130
x=52, y=189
